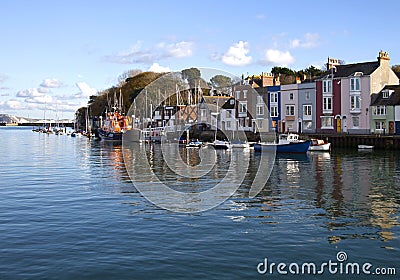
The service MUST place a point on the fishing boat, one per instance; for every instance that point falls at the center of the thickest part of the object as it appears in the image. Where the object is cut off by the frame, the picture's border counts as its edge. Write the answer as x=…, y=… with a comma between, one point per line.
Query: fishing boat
x=115, y=123
x=288, y=143
x=240, y=144
x=319, y=145
x=114, y=126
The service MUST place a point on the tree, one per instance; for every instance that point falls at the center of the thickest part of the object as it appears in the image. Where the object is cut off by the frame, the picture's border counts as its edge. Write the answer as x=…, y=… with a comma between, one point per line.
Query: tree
x=192, y=75
x=222, y=84
x=396, y=69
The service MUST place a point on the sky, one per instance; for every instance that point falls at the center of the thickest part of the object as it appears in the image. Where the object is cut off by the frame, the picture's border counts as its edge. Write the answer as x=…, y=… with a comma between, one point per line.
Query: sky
x=55, y=54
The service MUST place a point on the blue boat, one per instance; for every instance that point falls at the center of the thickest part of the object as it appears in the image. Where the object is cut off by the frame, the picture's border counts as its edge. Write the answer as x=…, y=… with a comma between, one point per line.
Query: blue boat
x=288, y=143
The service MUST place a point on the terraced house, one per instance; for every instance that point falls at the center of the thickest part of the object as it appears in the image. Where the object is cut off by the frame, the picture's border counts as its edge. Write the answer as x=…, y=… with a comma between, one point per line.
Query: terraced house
x=343, y=94
x=385, y=111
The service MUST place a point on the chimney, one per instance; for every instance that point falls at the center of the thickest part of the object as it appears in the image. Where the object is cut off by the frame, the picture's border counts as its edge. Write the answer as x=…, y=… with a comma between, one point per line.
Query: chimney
x=332, y=62
x=277, y=81
x=267, y=79
x=383, y=58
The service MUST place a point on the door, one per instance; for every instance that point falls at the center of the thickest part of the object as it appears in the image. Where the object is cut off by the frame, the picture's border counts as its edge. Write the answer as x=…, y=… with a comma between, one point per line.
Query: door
x=338, y=125
x=391, y=127
x=300, y=128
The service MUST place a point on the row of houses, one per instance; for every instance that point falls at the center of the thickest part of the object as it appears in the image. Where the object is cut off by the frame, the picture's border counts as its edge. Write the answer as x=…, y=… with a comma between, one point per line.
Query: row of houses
x=359, y=98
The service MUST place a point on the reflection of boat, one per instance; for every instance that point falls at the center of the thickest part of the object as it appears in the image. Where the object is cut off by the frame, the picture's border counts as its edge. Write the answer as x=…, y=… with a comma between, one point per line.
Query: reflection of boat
x=365, y=147
x=288, y=143
x=319, y=145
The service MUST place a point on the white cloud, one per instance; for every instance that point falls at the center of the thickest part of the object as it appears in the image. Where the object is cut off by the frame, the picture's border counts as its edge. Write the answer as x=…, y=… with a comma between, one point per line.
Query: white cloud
x=237, y=54
x=260, y=16
x=278, y=58
x=44, y=99
x=162, y=50
x=179, y=50
x=11, y=105
x=51, y=83
x=309, y=40
x=30, y=92
x=155, y=67
x=85, y=90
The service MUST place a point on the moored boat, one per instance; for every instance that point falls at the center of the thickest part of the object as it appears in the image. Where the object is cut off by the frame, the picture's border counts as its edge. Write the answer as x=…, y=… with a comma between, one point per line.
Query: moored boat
x=365, y=147
x=288, y=143
x=319, y=145
x=222, y=145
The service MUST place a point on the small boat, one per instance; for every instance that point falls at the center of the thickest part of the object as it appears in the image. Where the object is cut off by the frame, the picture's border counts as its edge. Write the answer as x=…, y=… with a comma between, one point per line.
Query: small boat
x=319, y=145
x=224, y=145
x=240, y=144
x=365, y=147
x=194, y=143
x=288, y=143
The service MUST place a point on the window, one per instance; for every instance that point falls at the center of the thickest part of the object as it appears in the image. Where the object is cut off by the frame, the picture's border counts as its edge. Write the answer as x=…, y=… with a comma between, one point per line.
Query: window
x=203, y=114
x=232, y=102
x=289, y=110
x=260, y=99
x=356, y=121
x=260, y=109
x=260, y=123
x=242, y=107
x=327, y=122
x=386, y=93
x=237, y=94
x=291, y=96
x=274, y=111
x=228, y=124
x=355, y=84
x=327, y=86
x=379, y=126
x=307, y=124
x=274, y=97
x=245, y=94
x=307, y=110
x=327, y=104
x=355, y=102
x=307, y=95
x=379, y=110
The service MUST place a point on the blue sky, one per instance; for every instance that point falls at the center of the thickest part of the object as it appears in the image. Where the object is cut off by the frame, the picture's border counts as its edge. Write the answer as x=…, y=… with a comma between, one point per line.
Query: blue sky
x=54, y=54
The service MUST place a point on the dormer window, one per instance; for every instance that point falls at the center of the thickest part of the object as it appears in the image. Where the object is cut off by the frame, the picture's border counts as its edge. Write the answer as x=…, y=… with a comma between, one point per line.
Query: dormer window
x=386, y=93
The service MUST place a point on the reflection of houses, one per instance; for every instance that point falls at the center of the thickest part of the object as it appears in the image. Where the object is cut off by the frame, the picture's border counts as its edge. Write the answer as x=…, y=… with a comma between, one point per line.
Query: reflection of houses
x=343, y=94
x=385, y=111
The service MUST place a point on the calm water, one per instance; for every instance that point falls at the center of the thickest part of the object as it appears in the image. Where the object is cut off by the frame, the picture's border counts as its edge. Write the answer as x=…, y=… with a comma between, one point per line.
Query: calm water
x=69, y=210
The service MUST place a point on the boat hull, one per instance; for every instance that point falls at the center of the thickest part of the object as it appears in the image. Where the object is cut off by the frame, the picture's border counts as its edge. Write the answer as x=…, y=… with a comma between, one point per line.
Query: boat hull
x=109, y=136
x=322, y=147
x=293, y=148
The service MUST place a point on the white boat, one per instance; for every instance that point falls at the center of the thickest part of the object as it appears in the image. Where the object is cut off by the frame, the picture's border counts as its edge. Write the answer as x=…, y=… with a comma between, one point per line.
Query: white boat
x=319, y=145
x=218, y=144
x=365, y=147
x=194, y=144
x=240, y=144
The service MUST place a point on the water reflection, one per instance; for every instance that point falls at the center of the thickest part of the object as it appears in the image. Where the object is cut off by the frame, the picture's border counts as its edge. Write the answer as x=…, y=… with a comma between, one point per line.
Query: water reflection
x=351, y=195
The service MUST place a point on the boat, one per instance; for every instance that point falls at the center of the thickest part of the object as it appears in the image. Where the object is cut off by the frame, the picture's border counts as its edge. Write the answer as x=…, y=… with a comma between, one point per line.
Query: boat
x=319, y=145
x=194, y=143
x=288, y=143
x=115, y=123
x=365, y=147
x=221, y=145
x=240, y=144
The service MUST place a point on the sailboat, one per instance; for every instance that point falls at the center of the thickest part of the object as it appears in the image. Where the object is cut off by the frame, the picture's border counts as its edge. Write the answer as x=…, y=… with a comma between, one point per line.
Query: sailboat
x=220, y=144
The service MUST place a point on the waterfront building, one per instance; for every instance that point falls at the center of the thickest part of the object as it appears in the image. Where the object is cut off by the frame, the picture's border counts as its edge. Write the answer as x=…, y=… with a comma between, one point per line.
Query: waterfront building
x=290, y=108
x=274, y=107
x=385, y=111
x=306, y=108
x=343, y=94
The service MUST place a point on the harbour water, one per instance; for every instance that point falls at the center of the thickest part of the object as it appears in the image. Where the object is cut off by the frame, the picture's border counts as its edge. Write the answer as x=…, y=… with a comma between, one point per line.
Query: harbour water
x=70, y=211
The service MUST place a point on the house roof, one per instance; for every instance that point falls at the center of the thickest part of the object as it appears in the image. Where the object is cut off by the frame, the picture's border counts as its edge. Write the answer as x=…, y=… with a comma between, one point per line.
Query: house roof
x=346, y=70
x=394, y=98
